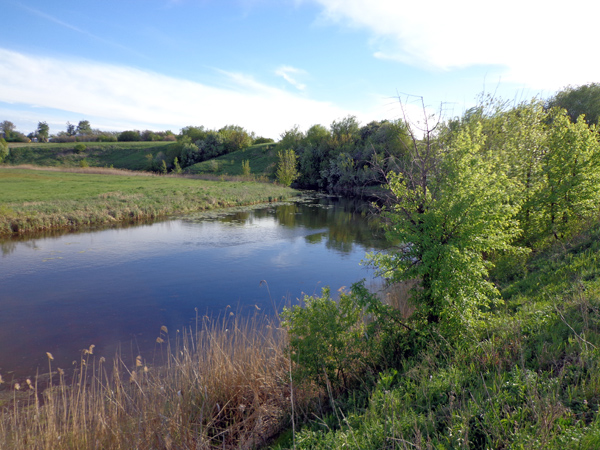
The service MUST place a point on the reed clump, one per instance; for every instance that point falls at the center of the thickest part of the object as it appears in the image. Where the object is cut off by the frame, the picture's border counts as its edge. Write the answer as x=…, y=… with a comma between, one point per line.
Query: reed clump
x=223, y=385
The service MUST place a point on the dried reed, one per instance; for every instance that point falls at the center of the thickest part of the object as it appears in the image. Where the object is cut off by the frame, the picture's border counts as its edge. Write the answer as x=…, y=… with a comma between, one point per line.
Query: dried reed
x=223, y=385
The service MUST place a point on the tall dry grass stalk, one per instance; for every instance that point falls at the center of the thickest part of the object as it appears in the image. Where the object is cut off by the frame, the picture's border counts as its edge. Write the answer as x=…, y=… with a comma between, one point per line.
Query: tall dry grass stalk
x=223, y=385
x=398, y=295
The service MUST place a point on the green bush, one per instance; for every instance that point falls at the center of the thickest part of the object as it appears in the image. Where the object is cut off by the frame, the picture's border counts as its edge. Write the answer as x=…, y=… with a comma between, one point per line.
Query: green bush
x=79, y=148
x=327, y=339
x=3, y=149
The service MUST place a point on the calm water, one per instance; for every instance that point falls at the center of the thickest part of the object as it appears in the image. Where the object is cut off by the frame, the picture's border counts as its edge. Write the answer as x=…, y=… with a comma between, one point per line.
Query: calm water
x=60, y=294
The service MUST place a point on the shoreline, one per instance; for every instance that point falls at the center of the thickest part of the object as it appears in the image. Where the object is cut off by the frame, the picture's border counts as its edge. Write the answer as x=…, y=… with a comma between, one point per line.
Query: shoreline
x=38, y=199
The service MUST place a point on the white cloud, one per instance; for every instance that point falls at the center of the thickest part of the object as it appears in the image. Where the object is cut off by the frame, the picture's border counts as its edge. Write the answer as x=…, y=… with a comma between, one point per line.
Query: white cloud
x=541, y=44
x=288, y=73
x=133, y=98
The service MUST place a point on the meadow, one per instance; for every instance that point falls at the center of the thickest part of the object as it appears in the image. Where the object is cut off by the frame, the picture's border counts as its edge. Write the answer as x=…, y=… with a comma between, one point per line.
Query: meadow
x=40, y=199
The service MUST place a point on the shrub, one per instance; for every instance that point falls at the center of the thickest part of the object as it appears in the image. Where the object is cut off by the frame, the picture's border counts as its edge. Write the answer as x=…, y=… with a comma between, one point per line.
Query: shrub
x=129, y=136
x=327, y=338
x=287, y=170
x=79, y=148
x=246, y=167
x=3, y=149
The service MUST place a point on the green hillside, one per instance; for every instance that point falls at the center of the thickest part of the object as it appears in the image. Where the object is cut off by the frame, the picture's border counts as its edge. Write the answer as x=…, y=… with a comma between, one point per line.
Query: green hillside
x=122, y=155
x=262, y=158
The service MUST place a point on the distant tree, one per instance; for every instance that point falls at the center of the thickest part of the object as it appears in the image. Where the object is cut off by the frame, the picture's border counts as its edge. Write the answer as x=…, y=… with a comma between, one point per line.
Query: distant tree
x=579, y=100
x=176, y=166
x=194, y=133
x=129, y=136
x=43, y=130
x=287, y=170
x=84, y=128
x=7, y=128
x=235, y=138
x=291, y=138
x=71, y=129
x=246, y=167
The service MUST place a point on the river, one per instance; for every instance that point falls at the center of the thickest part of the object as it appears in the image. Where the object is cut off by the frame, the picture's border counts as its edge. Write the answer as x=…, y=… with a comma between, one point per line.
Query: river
x=116, y=287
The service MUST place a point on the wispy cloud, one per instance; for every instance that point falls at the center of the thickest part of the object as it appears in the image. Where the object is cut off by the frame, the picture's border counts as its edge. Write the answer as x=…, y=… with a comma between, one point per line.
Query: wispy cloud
x=131, y=97
x=543, y=45
x=289, y=74
x=92, y=36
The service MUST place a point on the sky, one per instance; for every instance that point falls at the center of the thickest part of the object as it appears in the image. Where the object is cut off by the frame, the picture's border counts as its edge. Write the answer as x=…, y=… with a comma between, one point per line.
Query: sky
x=269, y=65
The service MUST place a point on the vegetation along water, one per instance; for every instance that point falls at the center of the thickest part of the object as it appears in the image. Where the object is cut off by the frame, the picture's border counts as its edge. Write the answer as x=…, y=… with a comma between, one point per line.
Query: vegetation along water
x=486, y=336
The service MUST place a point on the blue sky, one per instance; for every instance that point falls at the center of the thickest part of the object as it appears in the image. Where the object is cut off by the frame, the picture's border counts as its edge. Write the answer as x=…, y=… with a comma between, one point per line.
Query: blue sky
x=268, y=65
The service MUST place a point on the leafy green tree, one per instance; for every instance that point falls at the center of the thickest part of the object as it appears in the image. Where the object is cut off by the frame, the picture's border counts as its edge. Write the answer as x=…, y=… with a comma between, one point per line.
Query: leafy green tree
x=579, y=100
x=246, y=167
x=7, y=127
x=235, y=138
x=71, y=129
x=194, y=133
x=176, y=167
x=43, y=131
x=129, y=136
x=451, y=207
x=571, y=167
x=84, y=128
x=287, y=170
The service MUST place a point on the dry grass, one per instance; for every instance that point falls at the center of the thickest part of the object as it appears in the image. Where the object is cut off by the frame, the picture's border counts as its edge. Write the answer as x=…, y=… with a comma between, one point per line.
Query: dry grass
x=219, y=386
x=89, y=170
x=398, y=297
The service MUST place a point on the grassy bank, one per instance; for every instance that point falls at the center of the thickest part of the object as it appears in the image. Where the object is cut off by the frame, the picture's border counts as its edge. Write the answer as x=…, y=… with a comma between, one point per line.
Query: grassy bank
x=41, y=199
x=526, y=377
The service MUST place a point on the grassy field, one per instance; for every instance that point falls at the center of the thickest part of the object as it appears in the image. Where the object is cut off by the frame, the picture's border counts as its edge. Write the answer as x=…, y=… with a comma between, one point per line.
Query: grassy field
x=262, y=157
x=122, y=155
x=43, y=199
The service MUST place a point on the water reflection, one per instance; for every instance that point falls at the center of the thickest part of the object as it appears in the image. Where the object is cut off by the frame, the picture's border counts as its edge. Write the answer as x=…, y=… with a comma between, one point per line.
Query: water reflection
x=62, y=292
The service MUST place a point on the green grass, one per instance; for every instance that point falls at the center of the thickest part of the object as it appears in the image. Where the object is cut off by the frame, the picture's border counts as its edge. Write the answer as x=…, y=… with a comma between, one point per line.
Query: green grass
x=262, y=157
x=527, y=377
x=122, y=155
x=42, y=199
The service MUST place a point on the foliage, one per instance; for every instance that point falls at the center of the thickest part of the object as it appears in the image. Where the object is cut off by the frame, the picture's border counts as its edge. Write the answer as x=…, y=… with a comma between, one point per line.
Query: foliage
x=579, y=100
x=7, y=127
x=287, y=170
x=80, y=148
x=176, y=167
x=4, y=150
x=451, y=208
x=571, y=173
x=84, y=128
x=327, y=339
x=130, y=135
x=43, y=131
x=83, y=163
x=246, y=167
x=262, y=140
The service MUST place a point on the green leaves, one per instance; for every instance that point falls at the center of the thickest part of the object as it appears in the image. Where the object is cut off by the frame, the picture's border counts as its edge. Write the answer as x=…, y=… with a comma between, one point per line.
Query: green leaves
x=327, y=338
x=452, y=208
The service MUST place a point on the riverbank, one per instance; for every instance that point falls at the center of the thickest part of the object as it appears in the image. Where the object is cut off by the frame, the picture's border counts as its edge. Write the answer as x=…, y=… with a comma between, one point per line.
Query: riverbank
x=36, y=199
